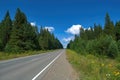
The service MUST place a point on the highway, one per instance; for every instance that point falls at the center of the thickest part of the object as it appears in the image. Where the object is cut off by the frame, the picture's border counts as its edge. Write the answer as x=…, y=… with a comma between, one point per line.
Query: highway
x=28, y=68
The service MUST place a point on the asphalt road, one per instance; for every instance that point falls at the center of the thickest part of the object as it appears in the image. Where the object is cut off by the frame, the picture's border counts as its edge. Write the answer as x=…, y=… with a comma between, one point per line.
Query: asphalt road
x=28, y=68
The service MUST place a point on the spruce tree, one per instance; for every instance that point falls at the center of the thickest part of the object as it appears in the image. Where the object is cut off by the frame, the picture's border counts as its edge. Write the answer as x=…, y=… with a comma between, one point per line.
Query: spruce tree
x=47, y=40
x=117, y=30
x=43, y=39
x=97, y=31
x=109, y=26
x=5, y=30
x=23, y=35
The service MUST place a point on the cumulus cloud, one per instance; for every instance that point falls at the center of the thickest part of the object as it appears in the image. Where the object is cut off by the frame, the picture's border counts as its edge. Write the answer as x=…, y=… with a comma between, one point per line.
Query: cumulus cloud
x=51, y=29
x=33, y=23
x=68, y=39
x=74, y=29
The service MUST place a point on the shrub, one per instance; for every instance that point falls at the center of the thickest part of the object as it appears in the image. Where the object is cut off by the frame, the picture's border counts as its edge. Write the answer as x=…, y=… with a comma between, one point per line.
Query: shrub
x=113, y=50
x=91, y=47
x=14, y=49
x=118, y=44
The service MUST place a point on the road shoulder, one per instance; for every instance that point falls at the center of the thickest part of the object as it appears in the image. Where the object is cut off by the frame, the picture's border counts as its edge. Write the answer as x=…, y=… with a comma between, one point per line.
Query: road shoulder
x=61, y=70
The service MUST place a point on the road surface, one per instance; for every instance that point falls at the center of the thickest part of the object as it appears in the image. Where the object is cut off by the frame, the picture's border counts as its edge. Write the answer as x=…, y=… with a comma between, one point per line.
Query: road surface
x=36, y=67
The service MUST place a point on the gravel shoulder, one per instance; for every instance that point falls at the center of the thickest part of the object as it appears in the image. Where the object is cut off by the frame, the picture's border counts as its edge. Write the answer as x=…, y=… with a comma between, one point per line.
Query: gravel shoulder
x=61, y=70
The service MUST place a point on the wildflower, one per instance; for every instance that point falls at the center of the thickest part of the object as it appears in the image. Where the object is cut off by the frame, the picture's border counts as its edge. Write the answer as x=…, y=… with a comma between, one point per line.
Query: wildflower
x=116, y=73
x=110, y=65
x=107, y=75
x=102, y=64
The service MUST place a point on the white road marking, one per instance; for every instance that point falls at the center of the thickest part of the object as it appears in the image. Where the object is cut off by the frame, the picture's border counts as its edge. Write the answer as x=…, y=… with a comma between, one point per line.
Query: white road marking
x=46, y=66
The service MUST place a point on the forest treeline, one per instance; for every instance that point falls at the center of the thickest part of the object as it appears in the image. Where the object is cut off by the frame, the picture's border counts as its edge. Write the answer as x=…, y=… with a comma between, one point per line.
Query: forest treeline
x=98, y=40
x=19, y=35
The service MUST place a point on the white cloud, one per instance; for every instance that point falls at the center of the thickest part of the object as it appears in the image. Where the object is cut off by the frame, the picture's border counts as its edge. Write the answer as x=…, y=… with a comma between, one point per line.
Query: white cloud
x=89, y=28
x=33, y=23
x=68, y=39
x=74, y=29
x=51, y=29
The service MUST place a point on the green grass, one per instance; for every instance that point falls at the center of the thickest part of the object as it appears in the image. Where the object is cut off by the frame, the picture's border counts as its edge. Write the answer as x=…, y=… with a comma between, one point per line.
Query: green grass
x=6, y=56
x=90, y=67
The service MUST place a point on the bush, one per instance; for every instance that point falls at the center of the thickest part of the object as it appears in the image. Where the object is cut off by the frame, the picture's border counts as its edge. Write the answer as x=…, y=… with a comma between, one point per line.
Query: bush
x=118, y=44
x=113, y=50
x=103, y=44
x=14, y=49
x=107, y=46
x=91, y=47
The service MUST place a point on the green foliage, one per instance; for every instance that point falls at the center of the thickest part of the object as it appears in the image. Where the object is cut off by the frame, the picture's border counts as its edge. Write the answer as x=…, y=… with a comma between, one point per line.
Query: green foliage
x=19, y=35
x=109, y=26
x=13, y=48
x=117, y=30
x=98, y=40
x=5, y=31
x=118, y=66
x=22, y=35
x=113, y=49
x=97, y=31
x=103, y=45
x=118, y=44
x=91, y=47
x=48, y=40
x=90, y=67
x=83, y=34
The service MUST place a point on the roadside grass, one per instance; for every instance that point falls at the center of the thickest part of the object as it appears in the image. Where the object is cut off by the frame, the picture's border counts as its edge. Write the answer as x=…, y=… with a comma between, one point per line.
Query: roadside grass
x=6, y=56
x=90, y=67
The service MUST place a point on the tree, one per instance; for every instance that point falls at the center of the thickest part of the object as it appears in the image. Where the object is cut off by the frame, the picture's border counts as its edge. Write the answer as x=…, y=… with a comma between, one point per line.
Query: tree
x=117, y=30
x=20, y=18
x=109, y=26
x=47, y=41
x=89, y=33
x=19, y=35
x=97, y=41
x=5, y=30
x=69, y=44
x=23, y=35
x=113, y=50
x=83, y=34
x=97, y=31
x=43, y=39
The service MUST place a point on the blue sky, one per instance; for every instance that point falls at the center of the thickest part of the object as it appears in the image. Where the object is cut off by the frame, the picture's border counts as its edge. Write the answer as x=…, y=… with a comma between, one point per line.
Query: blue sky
x=63, y=15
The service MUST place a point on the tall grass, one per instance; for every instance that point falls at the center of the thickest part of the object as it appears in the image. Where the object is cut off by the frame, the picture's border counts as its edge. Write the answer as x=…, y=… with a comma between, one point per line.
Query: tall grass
x=90, y=67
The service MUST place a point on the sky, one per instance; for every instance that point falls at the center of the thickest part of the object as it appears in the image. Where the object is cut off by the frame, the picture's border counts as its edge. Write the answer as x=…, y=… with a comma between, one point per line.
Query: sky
x=63, y=17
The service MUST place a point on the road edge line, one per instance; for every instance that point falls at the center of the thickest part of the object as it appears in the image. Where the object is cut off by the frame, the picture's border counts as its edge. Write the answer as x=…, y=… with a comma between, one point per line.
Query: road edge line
x=47, y=66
